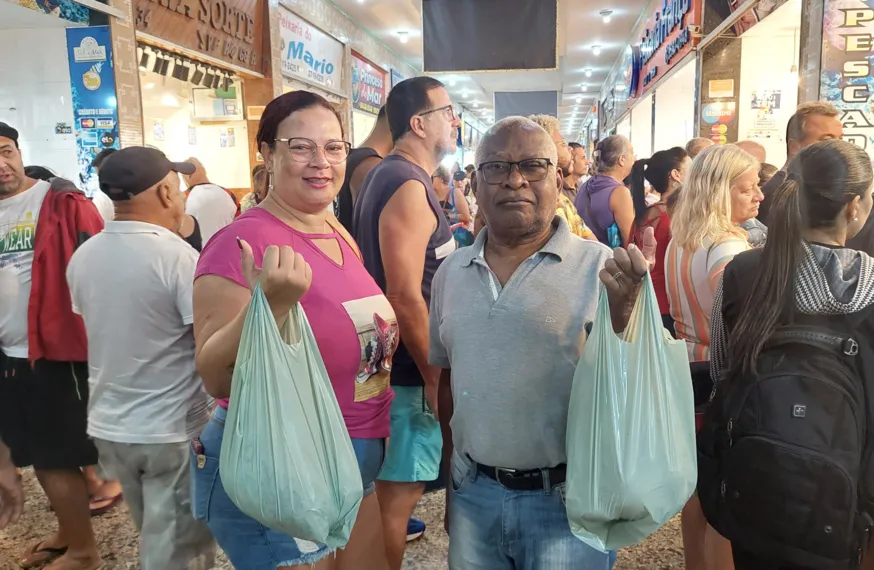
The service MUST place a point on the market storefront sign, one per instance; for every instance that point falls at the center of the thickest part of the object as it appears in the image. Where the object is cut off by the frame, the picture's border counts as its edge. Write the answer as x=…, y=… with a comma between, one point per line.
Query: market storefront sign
x=846, y=79
x=368, y=85
x=227, y=30
x=309, y=53
x=668, y=38
x=92, y=84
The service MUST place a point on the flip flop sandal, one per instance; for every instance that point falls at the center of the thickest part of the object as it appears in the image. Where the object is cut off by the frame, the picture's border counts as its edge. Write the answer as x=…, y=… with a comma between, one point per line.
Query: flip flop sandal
x=113, y=502
x=41, y=555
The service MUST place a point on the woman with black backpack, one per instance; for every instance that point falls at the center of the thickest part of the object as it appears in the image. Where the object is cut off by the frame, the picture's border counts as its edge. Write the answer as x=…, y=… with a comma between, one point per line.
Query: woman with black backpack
x=784, y=453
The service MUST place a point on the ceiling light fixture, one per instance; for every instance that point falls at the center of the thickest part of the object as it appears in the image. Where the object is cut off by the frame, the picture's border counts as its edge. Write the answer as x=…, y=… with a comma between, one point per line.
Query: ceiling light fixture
x=579, y=100
x=452, y=83
x=596, y=50
x=605, y=15
x=198, y=76
x=464, y=95
x=405, y=37
x=209, y=78
x=584, y=87
x=144, y=61
x=588, y=73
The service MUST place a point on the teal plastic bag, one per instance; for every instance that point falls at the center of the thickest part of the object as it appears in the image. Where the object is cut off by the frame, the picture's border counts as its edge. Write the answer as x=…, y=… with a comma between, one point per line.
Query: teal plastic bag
x=286, y=458
x=631, y=454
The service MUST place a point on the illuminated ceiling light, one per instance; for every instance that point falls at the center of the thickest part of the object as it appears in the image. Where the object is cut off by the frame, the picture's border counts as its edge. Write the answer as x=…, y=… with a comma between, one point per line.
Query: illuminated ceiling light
x=464, y=95
x=596, y=50
x=605, y=15
x=405, y=37
x=579, y=100
x=584, y=87
x=452, y=83
x=588, y=73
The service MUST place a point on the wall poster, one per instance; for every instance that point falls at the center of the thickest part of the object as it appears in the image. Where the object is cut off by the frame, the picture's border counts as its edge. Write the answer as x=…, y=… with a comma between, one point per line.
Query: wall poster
x=95, y=108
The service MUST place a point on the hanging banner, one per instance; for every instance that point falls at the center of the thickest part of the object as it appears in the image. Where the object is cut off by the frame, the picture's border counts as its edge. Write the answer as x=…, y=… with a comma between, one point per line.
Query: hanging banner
x=308, y=53
x=368, y=85
x=95, y=109
x=846, y=79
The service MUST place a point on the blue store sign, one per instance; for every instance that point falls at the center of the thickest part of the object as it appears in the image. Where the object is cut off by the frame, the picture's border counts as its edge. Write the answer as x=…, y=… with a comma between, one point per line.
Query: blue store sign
x=95, y=109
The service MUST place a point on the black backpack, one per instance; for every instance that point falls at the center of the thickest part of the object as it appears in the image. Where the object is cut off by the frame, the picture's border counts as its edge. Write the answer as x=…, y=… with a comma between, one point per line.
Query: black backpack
x=784, y=456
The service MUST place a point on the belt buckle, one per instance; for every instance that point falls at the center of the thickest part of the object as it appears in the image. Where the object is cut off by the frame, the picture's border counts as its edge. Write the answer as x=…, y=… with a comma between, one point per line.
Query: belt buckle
x=500, y=472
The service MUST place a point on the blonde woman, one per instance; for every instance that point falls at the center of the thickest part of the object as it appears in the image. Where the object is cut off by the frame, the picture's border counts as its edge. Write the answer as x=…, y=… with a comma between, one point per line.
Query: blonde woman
x=721, y=192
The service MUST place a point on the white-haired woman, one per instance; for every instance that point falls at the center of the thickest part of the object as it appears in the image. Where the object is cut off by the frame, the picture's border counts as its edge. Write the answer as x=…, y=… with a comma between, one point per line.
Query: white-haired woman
x=721, y=192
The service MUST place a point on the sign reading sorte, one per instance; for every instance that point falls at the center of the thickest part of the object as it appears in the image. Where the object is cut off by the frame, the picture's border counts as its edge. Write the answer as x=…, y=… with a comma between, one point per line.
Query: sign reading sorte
x=308, y=53
x=846, y=79
x=95, y=109
x=368, y=85
x=227, y=30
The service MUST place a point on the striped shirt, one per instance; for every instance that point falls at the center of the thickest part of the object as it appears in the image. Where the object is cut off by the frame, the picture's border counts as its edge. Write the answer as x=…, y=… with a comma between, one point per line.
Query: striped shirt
x=691, y=278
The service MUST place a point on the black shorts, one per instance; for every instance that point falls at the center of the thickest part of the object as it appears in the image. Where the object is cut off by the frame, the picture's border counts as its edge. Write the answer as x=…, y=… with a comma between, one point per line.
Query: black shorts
x=44, y=413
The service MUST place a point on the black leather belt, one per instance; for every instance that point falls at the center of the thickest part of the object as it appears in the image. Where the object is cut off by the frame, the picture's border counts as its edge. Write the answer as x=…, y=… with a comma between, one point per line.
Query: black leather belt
x=527, y=480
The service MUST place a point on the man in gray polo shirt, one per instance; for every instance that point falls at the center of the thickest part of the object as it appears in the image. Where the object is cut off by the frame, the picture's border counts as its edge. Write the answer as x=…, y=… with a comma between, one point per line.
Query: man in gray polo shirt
x=508, y=321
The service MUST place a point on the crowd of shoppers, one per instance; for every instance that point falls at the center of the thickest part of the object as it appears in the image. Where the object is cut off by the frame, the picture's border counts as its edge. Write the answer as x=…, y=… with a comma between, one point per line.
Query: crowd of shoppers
x=119, y=336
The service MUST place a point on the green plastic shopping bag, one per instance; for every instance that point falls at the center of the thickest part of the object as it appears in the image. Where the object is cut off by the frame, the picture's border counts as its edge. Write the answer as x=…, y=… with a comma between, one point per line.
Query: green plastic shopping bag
x=631, y=454
x=286, y=458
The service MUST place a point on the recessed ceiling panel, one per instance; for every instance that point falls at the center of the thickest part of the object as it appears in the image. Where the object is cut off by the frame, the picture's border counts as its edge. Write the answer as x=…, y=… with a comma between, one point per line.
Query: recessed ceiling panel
x=489, y=35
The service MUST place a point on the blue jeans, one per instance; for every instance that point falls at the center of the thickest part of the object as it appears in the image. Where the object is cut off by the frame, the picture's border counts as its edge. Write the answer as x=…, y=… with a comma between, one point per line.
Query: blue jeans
x=494, y=528
x=248, y=544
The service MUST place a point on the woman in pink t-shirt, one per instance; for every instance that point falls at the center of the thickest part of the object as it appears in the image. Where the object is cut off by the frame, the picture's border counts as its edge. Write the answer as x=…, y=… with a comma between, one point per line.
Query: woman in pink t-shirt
x=304, y=256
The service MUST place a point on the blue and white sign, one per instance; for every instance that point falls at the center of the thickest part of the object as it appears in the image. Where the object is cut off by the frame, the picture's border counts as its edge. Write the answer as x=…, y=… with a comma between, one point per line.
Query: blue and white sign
x=309, y=53
x=95, y=109
x=396, y=77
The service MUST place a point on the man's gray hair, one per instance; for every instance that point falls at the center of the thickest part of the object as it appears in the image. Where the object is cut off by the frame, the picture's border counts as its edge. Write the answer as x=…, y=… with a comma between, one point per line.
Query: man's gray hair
x=500, y=128
x=696, y=145
x=609, y=151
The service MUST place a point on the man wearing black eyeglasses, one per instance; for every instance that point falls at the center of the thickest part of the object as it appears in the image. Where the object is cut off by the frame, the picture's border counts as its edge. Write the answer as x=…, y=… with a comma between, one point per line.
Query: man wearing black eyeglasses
x=404, y=237
x=508, y=322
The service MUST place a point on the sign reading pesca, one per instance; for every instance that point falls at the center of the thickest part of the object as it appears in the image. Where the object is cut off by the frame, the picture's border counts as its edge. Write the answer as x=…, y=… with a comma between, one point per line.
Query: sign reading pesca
x=368, y=85
x=667, y=38
x=308, y=53
x=846, y=79
x=227, y=30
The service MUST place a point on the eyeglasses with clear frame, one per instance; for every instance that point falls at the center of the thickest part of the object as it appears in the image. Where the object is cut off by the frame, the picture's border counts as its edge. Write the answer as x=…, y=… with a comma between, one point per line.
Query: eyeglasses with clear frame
x=531, y=169
x=448, y=112
x=304, y=150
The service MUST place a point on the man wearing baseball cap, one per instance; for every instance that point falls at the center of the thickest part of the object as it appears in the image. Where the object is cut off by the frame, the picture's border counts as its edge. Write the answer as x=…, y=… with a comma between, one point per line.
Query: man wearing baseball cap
x=43, y=350
x=132, y=284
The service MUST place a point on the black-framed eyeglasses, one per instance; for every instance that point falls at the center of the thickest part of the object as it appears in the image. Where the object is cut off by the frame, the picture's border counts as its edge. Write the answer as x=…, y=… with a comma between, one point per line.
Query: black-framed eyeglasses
x=448, y=112
x=531, y=169
x=304, y=150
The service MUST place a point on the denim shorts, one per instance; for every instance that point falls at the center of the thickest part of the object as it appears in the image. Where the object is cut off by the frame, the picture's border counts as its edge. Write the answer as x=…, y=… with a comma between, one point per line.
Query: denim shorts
x=247, y=543
x=416, y=441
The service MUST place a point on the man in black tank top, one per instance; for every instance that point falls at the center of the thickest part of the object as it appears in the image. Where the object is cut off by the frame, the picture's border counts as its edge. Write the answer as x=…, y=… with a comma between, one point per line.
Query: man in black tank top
x=359, y=163
x=404, y=236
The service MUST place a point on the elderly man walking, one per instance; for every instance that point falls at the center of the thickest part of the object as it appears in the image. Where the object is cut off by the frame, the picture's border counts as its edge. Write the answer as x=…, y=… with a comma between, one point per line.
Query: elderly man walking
x=508, y=324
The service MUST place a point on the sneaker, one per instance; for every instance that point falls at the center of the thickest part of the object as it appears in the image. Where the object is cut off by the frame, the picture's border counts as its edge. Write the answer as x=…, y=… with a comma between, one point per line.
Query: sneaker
x=415, y=529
